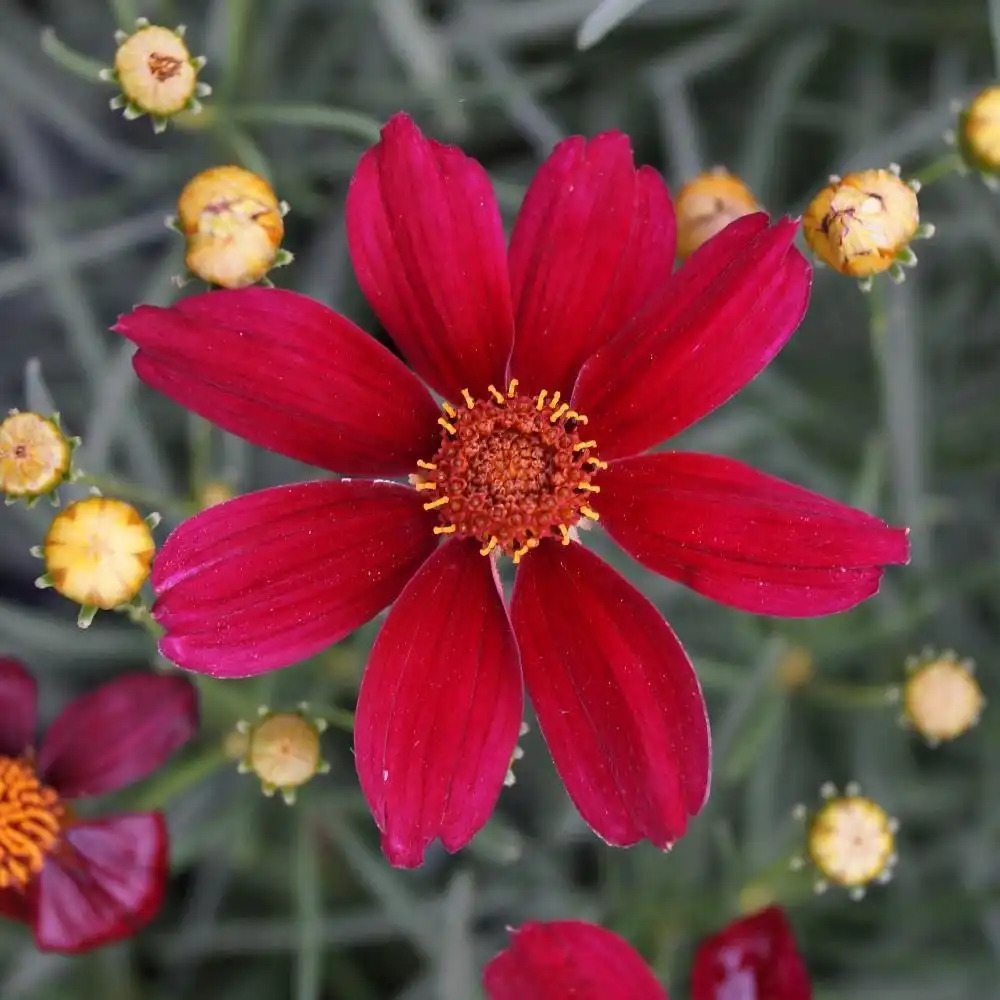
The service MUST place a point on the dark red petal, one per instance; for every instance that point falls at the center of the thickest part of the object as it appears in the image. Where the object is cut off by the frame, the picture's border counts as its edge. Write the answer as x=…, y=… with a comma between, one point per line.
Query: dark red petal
x=123, y=731
x=569, y=960
x=594, y=238
x=273, y=577
x=745, y=538
x=752, y=957
x=715, y=325
x=15, y=906
x=439, y=707
x=289, y=374
x=104, y=883
x=18, y=707
x=616, y=697
x=427, y=243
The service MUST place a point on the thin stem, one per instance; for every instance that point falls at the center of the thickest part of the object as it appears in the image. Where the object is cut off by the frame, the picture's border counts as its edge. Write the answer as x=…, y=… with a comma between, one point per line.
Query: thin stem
x=339, y=717
x=179, y=777
x=134, y=493
x=309, y=116
x=125, y=12
x=78, y=64
x=934, y=171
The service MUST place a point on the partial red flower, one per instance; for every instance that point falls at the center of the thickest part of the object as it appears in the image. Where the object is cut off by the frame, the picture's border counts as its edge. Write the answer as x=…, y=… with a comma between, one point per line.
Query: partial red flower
x=81, y=883
x=754, y=958
x=561, y=359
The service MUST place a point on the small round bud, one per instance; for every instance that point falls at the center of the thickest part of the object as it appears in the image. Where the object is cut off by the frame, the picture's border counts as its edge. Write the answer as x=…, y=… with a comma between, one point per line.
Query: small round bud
x=979, y=131
x=284, y=751
x=156, y=73
x=795, y=668
x=35, y=455
x=860, y=224
x=706, y=205
x=98, y=552
x=941, y=697
x=214, y=493
x=233, y=225
x=852, y=841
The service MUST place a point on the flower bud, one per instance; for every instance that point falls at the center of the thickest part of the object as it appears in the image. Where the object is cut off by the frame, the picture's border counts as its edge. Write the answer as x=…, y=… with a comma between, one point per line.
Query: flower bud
x=941, y=697
x=862, y=224
x=233, y=225
x=35, y=456
x=283, y=750
x=979, y=131
x=706, y=205
x=156, y=74
x=98, y=552
x=214, y=492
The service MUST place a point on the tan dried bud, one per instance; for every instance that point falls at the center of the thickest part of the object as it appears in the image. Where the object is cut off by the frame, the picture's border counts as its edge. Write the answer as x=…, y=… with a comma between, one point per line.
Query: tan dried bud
x=155, y=71
x=942, y=698
x=35, y=455
x=706, y=205
x=979, y=131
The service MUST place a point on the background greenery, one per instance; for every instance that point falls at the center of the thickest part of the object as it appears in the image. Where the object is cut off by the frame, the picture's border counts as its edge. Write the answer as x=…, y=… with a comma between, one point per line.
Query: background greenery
x=270, y=902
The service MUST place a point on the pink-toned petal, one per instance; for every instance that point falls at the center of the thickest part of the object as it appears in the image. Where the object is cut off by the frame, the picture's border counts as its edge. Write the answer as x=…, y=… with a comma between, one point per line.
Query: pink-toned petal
x=286, y=373
x=274, y=577
x=439, y=707
x=105, y=882
x=569, y=960
x=752, y=957
x=744, y=538
x=427, y=244
x=714, y=326
x=18, y=707
x=117, y=734
x=15, y=905
x=617, y=699
x=594, y=238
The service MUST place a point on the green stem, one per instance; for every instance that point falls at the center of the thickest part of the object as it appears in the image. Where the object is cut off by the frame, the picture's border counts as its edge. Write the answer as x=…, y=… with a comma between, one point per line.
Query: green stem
x=238, y=18
x=178, y=778
x=309, y=116
x=125, y=12
x=78, y=64
x=135, y=493
x=937, y=169
x=341, y=718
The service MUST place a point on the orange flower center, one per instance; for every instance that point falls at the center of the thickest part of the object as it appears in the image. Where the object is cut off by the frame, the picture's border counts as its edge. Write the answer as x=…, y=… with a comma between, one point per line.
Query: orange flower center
x=31, y=818
x=511, y=471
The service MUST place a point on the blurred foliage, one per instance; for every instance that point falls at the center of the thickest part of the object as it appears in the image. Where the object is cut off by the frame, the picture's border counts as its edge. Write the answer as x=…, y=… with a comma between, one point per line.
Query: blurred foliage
x=271, y=902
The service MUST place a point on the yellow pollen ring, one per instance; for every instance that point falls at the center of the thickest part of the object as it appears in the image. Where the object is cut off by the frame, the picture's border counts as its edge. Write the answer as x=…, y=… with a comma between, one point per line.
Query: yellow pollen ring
x=554, y=401
x=440, y=502
x=449, y=409
x=589, y=512
x=579, y=446
x=426, y=486
x=421, y=464
x=541, y=400
x=496, y=394
x=444, y=529
x=597, y=463
x=529, y=544
x=489, y=546
x=563, y=407
x=450, y=428
x=589, y=487
x=512, y=388
x=467, y=396
x=564, y=531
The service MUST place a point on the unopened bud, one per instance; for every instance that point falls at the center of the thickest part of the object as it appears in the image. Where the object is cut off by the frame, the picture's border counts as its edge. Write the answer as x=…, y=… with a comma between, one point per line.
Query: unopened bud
x=706, y=205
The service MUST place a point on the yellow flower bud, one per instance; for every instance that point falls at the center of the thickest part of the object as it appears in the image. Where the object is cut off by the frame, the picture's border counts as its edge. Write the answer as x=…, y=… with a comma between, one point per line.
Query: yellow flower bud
x=979, y=131
x=852, y=841
x=795, y=668
x=233, y=225
x=214, y=493
x=941, y=697
x=283, y=750
x=156, y=74
x=861, y=224
x=98, y=552
x=35, y=455
x=706, y=205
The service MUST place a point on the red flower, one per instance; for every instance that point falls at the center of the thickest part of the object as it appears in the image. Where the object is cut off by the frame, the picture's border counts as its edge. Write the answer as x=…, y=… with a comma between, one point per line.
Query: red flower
x=561, y=360
x=751, y=959
x=84, y=883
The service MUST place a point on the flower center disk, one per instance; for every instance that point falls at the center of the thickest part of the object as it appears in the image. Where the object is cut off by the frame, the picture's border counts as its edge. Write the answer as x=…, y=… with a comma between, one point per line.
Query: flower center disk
x=511, y=471
x=31, y=818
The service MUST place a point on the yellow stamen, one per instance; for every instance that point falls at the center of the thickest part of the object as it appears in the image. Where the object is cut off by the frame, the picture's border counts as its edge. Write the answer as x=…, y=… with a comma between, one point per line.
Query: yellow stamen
x=581, y=446
x=563, y=407
x=589, y=512
x=425, y=465
x=31, y=817
x=529, y=544
x=426, y=486
x=445, y=529
x=578, y=417
x=512, y=388
x=449, y=409
x=450, y=428
x=564, y=531
x=489, y=546
x=541, y=400
x=496, y=394
x=596, y=463
x=589, y=487
x=440, y=502
x=467, y=396
x=554, y=401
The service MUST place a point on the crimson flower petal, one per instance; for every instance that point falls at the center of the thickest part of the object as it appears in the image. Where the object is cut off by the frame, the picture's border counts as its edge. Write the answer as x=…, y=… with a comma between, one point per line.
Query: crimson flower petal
x=715, y=326
x=276, y=576
x=617, y=699
x=15, y=906
x=105, y=882
x=439, y=707
x=569, y=960
x=593, y=239
x=744, y=538
x=18, y=708
x=427, y=244
x=752, y=957
x=123, y=731
x=286, y=373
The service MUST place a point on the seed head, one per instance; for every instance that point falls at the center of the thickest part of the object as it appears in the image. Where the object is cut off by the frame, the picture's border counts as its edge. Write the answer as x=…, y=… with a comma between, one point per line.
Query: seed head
x=706, y=205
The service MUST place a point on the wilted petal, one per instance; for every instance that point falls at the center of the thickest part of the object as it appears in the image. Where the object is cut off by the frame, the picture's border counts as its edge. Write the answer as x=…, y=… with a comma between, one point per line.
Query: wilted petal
x=18, y=707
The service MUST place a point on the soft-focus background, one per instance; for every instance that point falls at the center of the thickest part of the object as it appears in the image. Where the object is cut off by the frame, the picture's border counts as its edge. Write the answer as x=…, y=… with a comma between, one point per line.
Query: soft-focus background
x=270, y=902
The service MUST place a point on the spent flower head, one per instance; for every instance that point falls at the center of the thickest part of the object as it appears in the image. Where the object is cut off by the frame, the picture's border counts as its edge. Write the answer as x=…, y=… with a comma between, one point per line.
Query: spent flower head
x=941, y=697
x=36, y=456
x=707, y=204
x=156, y=73
x=233, y=224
